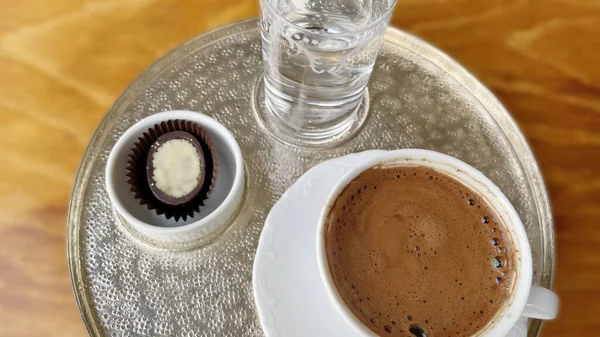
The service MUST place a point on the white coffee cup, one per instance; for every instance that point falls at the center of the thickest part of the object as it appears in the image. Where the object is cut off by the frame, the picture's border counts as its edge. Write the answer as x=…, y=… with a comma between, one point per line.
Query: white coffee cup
x=526, y=300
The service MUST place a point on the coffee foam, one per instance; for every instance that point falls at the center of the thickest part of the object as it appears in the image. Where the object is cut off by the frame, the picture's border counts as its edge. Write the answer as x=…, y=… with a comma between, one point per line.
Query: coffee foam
x=411, y=249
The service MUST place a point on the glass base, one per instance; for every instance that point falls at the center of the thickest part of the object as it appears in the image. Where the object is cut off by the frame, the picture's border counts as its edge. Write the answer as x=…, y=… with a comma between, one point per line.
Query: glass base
x=308, y=135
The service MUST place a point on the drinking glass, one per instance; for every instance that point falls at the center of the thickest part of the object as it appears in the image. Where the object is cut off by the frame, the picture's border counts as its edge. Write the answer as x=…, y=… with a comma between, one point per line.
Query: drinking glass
x=318, y=56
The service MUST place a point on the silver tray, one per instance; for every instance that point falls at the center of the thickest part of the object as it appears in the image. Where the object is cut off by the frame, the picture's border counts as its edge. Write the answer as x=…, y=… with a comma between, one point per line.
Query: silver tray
x=420, y=98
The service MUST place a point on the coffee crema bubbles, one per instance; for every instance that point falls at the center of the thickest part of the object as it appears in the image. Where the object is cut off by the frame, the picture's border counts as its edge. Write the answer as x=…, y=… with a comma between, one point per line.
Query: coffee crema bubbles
x=414, y=252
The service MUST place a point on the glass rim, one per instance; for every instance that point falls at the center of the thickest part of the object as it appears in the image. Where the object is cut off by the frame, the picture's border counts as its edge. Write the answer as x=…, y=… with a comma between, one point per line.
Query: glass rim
x=367, y=27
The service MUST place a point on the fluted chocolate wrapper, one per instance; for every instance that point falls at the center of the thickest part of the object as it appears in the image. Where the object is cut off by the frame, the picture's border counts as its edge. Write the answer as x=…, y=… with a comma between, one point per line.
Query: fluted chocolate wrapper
x=140, y=169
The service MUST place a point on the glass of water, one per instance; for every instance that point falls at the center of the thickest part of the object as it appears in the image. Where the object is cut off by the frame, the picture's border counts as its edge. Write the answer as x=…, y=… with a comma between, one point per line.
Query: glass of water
x=318, y=56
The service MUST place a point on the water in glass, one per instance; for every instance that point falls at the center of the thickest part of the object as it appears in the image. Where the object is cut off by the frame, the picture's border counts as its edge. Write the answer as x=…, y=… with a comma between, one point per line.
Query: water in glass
x=318, y=56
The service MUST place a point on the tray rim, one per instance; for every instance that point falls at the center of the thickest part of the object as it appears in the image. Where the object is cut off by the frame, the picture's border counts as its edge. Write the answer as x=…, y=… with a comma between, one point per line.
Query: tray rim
x=393, y=35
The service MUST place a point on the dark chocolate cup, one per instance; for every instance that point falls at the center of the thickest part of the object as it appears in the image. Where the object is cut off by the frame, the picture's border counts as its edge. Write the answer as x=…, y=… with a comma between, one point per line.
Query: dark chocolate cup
x=137, y=171
x=162, y=196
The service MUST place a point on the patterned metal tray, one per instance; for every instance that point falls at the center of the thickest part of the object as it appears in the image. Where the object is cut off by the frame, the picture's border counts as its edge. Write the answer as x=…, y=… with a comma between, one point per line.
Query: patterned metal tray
x=419, y=98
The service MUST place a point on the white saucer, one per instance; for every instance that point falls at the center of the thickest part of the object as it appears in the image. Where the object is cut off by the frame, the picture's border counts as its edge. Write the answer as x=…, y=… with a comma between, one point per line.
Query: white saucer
x=290, y=296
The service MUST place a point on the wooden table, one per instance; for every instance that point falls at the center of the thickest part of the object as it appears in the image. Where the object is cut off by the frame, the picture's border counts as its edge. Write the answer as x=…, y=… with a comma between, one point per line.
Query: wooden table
x=64, y=62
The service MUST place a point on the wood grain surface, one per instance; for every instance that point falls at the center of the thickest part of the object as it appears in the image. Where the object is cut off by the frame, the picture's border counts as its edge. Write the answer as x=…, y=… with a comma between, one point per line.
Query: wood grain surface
x=64, y=62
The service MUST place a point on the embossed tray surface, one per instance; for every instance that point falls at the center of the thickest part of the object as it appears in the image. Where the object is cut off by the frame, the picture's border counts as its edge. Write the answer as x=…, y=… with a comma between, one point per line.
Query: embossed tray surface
x=420, y=98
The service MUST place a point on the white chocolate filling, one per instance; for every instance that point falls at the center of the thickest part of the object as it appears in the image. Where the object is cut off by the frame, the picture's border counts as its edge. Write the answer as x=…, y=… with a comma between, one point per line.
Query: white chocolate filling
x=176, y=167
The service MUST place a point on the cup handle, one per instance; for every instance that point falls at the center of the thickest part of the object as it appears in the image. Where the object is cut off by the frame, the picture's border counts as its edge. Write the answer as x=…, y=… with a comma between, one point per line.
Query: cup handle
x=541, y=304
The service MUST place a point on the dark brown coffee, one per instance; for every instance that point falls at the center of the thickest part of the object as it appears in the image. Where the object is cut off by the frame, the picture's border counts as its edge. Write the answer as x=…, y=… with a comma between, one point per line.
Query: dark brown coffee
x=413, y=252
